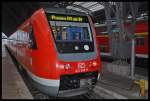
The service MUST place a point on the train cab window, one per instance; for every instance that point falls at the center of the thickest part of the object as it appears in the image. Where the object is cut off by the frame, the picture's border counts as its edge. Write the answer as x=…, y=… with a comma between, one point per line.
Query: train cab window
x=32, y=41
x=72, y=33
x=69, y=31
x=140, y=41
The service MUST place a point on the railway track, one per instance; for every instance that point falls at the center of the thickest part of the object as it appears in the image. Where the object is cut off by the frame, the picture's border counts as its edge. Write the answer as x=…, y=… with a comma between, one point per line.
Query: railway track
x=92, y=95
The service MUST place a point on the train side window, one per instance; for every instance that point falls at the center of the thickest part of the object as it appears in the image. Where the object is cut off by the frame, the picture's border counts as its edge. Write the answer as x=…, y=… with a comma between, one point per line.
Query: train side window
x=140, y=41
x=32, y=41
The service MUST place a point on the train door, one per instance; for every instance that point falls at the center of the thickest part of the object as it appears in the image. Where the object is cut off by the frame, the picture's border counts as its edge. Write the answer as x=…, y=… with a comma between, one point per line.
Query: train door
x=31, y=45
x=24, y=46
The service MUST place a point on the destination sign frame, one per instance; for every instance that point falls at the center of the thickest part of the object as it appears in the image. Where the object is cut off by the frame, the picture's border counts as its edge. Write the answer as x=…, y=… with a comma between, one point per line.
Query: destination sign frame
x=67, y=18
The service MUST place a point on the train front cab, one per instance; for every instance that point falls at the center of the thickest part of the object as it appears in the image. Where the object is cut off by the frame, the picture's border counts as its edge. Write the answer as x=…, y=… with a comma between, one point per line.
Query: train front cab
x=65, y=63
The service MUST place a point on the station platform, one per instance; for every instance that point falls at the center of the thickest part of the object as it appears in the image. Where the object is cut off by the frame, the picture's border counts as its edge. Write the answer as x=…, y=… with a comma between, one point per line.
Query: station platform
x=13, y=86
x=113, y=86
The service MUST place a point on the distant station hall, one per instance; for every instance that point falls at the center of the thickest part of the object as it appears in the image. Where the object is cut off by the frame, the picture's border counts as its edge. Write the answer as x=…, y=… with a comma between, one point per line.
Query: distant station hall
x=74, y=50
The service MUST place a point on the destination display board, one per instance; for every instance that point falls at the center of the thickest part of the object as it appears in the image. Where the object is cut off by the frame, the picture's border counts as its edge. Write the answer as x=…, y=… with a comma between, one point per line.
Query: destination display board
x=67, y=18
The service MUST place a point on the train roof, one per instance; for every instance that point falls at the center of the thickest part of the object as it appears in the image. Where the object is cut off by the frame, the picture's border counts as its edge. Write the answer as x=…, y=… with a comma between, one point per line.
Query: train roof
x=55, y=10
x=64, y=11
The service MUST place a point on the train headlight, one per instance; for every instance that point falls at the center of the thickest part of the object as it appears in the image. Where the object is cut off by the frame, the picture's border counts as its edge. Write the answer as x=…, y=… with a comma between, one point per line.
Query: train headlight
x=67, y=66
x=60, y=66
x=94, y=63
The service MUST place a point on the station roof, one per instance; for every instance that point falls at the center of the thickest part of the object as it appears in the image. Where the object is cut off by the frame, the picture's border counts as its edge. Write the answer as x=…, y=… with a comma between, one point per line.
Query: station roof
x=87, y=7
x=15, y=13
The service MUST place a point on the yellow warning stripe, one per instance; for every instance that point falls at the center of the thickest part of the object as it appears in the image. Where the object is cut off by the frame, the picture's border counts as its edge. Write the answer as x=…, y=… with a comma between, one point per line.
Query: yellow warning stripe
x=102, y=36
x=137, y=34
x=144, y=33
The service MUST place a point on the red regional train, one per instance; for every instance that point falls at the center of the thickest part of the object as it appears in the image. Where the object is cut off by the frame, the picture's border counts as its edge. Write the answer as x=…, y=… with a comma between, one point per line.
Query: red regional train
x=141, y=38
x=58, y=49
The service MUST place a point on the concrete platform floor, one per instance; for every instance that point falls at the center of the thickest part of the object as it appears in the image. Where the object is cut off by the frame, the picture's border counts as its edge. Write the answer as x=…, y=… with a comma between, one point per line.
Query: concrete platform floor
x=13, y=86
x=112, y=92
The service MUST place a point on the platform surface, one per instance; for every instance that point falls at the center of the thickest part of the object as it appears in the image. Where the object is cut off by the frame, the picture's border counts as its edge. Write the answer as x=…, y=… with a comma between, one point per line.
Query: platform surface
x=110, y=88
x=13, y=86
x=116, y=80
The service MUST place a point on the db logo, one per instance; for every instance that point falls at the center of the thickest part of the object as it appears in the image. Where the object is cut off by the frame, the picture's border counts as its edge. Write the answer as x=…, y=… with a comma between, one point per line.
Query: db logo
x=81, y=65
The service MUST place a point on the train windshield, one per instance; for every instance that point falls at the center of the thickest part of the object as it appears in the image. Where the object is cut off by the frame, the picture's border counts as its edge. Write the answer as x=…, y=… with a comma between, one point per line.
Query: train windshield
x=71, y=33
